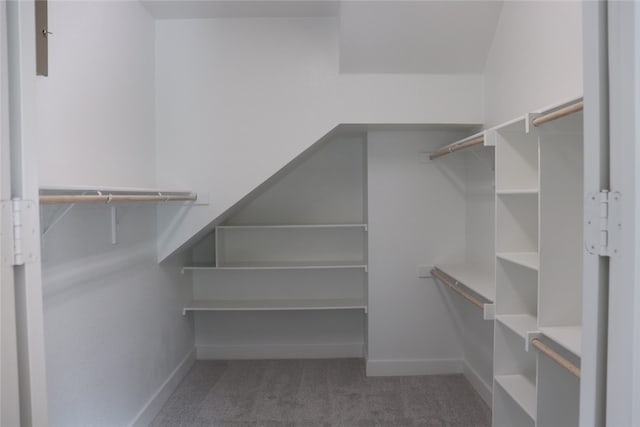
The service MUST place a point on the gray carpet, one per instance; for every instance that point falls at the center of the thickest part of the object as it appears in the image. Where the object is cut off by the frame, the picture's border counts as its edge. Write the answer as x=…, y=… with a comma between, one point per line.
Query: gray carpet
x=332, y=392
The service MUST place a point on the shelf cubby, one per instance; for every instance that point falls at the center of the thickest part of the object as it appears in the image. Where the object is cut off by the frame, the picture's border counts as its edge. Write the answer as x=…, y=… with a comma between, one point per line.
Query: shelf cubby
x=294, y=246
x=515, y=378
x=516, y=157
x=517, y=223
x=516, y=291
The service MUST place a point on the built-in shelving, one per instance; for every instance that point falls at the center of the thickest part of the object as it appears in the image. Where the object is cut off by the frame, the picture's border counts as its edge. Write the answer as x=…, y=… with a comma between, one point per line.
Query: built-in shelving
x=337, y=250
x=276, y=305
x=521, y=390
x=539, y=211
x=525, y=259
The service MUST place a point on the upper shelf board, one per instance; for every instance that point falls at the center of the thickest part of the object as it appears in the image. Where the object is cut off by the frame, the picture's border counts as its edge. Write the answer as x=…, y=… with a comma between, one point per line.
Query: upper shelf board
x=569, y=337
x=480, y=281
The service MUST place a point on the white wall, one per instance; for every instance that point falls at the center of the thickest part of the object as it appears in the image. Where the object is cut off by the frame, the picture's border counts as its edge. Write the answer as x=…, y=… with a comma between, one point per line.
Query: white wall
x=114, y=332
x=535, y=59
x=237, y=99
x=96, y=108
x=416, y=217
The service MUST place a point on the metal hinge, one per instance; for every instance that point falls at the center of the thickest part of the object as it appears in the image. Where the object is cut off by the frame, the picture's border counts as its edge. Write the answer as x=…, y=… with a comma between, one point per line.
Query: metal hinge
x=603, y=225
x=20, y=231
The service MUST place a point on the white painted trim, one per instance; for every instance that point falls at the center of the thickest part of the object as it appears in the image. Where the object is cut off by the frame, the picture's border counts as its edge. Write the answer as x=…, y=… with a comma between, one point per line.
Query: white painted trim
x=401, y=367
x=279, y=351
x=159, y=398
x=484, y=390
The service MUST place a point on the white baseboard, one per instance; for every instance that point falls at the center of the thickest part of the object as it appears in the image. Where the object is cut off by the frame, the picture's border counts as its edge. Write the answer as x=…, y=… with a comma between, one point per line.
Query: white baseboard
x=403, y=367
x=153, y=406
x=484, y=390
x=279, y=351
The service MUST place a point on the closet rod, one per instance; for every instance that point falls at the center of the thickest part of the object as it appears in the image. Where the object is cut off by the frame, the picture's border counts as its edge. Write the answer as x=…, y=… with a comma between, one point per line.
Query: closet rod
x=473, y=300
x=553, y=355
x=570, y=109
x=455, y=147
x=108, y=198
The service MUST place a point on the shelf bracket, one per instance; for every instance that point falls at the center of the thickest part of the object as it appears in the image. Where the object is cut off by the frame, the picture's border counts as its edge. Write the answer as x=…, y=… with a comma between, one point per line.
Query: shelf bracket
x=603, y=225
x=489, y=311
x=531, y=336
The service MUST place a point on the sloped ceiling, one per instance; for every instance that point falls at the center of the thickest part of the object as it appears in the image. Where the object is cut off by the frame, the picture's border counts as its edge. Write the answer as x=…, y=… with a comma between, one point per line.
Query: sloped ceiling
x=429, y=37
x=385, y=36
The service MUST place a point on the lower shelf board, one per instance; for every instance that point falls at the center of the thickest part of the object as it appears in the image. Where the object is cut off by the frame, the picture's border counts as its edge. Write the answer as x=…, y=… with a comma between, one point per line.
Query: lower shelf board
x=276, y=305
x=279, y=266
x=522, y=391
x=569, y=337
x=519, y=323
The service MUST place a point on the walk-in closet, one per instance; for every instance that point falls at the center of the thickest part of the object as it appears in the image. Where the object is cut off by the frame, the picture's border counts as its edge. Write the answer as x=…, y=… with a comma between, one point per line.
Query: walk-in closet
x=319, y=213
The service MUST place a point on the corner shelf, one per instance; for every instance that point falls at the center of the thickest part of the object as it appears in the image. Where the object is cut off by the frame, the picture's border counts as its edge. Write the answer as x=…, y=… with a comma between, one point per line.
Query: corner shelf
x=477, y=280
x=529, y=260
x=521, y=390
x=276, y=305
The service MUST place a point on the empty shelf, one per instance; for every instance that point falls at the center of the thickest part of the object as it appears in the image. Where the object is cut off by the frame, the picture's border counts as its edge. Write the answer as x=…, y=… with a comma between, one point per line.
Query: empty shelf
x=478, y=280
x=526, y=259
x=284, y=226
x=279, y=266
x=276, y=305
x=519, y=323
x=521, y=390
x=517, y=191
x=569, y=337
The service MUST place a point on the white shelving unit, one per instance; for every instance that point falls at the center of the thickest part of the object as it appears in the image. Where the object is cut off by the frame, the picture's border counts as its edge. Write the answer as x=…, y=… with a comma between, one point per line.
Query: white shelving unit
x=539, y=211
x=242, y=249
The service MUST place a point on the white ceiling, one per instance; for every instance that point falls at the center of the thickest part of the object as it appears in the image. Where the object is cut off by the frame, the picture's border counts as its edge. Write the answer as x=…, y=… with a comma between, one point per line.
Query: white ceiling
x=376, y=36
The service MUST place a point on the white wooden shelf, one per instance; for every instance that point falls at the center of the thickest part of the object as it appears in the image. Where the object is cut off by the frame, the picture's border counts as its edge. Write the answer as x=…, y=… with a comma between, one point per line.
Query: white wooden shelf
x=480, y=281
x=276, y=305
x=521, y=390
x=569, y=337
x=287, y=226
x=517, y=192
x=526, y=259
x=279, y=266
x=521, y=324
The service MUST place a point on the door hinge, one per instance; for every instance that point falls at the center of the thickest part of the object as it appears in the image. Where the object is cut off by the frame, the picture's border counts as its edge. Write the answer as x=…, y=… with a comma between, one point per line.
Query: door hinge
x=603, y=225
x=20, y=231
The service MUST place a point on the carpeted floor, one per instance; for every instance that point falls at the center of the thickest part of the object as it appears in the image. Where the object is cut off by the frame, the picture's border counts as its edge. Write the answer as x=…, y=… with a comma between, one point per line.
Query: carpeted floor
x=333, y=392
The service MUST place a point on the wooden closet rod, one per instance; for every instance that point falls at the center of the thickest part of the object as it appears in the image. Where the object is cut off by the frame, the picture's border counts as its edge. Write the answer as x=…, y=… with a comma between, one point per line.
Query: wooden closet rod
x=450, y=149
x=553, y=355
x=570, y=109
x=108, y=198
x=473, y=300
